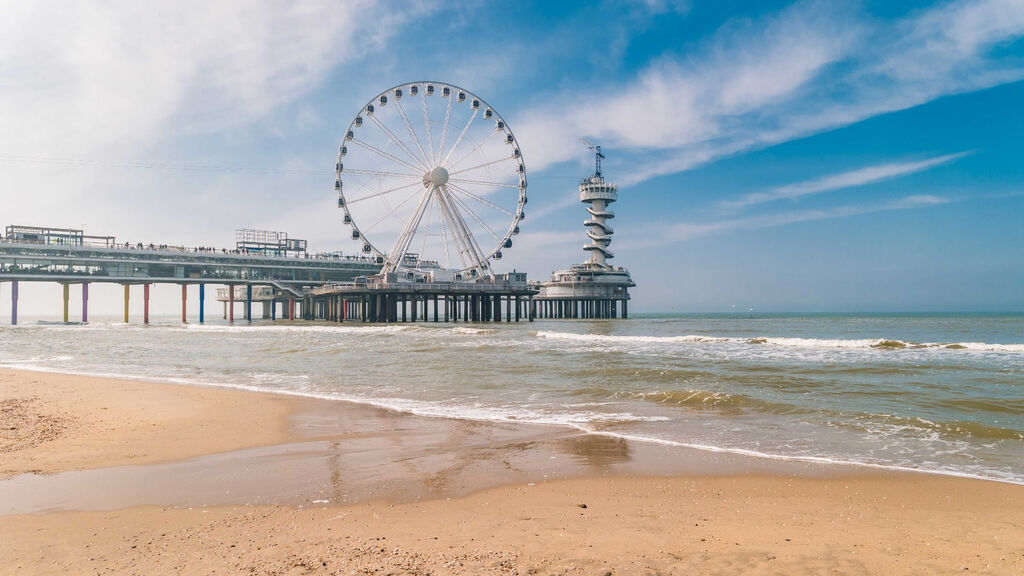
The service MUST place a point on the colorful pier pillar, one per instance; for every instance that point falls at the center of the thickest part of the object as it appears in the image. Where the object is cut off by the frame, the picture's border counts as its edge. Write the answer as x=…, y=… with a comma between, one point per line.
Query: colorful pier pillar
x=145, y=303
x=85, y=302
x=184, y=303
x=67, y=296
x=14, y=303
x=291, y=308
x=202, y=301
x=126, y=294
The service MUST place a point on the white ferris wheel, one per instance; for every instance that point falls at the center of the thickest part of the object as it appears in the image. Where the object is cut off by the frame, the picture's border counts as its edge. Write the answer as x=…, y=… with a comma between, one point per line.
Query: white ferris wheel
x=430, y=176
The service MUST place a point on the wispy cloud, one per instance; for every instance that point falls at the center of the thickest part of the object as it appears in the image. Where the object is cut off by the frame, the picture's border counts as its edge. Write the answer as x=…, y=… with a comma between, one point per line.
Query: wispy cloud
x=843, y=180
x=814, y=66
x=82, y=77
x=690, y=230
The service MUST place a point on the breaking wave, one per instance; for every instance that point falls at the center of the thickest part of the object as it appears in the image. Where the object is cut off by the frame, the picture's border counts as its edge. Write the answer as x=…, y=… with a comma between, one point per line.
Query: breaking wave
x=810, y=343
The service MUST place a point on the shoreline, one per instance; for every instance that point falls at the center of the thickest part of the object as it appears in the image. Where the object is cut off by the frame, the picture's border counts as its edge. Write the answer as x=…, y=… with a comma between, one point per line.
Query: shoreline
x=298, y=398
x=268, y=483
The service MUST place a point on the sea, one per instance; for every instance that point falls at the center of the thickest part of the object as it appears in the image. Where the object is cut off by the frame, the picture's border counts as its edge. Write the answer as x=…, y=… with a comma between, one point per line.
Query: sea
x=938, y=393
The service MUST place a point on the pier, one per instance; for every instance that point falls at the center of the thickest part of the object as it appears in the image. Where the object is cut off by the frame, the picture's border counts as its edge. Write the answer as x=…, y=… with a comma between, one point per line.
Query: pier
x=70, y=257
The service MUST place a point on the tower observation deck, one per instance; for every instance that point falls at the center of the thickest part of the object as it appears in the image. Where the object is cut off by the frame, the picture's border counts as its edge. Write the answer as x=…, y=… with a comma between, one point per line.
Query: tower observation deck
x=594, y=288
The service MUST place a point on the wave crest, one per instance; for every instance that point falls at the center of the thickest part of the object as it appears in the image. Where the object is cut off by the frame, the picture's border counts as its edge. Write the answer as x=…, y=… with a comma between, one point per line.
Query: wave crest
x=810, y=343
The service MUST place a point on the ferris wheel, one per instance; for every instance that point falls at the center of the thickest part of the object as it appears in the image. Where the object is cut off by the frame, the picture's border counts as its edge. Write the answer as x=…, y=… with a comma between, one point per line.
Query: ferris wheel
x=430, y=176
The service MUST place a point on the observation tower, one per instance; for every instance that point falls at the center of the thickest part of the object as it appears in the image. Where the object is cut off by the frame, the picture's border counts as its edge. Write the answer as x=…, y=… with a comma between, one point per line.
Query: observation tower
x=594, y=288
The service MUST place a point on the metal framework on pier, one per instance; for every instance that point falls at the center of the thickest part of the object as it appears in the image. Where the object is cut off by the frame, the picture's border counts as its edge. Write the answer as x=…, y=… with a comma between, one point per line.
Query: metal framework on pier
x=423, y=302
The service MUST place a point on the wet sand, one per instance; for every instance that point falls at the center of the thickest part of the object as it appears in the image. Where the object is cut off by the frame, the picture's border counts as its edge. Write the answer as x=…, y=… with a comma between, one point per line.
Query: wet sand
x=137, y=477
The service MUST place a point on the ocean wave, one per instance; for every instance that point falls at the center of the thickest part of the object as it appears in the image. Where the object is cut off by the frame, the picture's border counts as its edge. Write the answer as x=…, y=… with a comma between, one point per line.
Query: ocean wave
x=810, y=343
x=35, y=360
x=572, y=336
x=888, y=425
x=721, y=402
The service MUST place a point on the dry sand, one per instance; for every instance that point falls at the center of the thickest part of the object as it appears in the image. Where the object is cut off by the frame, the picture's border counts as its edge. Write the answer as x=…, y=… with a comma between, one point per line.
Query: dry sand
x=55, y=422
x=600, y=523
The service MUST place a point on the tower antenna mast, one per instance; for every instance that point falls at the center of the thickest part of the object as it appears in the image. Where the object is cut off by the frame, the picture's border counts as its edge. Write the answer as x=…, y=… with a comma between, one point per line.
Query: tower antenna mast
x=597, y=156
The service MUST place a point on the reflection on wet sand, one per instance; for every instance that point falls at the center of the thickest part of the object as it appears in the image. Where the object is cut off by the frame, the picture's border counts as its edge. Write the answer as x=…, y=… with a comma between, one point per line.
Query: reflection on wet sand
x=347, y=453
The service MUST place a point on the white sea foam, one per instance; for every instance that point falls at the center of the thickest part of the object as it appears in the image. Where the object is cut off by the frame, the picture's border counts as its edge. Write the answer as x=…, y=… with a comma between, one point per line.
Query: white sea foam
x=807, y=343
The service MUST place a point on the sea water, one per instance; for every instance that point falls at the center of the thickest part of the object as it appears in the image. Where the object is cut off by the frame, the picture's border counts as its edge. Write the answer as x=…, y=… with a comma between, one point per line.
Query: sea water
x=941, y=393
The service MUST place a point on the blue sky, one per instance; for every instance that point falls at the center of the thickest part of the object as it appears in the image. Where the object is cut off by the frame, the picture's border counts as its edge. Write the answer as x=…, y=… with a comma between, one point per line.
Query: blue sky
x=781, y=156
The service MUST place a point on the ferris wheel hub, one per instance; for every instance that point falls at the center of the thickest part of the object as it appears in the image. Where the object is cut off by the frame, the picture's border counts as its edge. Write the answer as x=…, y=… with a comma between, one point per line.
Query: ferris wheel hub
x=436, y=178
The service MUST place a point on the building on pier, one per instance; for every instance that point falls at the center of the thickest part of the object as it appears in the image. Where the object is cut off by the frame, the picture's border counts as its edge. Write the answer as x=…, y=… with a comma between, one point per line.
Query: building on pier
x=594, y=288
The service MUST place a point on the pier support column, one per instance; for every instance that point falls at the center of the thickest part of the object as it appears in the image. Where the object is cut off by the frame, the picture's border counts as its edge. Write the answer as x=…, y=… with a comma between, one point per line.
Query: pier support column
x=625, y=310
x=85, y=302
x=273, y=309
x=67, y=297
x=291, y=308
x=184, y=303
x=231, y=303
x=202, y=302
x=145, y=303
x=126, y=296
x=248, y=302
x=14, y=303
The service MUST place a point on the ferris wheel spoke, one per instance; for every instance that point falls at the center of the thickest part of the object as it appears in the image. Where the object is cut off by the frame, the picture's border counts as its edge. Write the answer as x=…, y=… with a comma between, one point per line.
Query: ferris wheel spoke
x=391, y=157
x=426, y=124
x=401, y=245
x=444, y=237
x=463, y=239
x=485, y=183
x=476, y=217
x=398, y=142
x=380, y=173
x=484, y=201
x=475, y=148
x=426, y=228
x=461, y=135
x=478, y=166
x=427, y=160
x=444, y=129
x=382, y=193
x=391, y=213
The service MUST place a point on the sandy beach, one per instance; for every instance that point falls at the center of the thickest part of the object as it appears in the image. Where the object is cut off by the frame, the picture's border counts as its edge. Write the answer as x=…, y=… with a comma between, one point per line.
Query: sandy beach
x=115, y=476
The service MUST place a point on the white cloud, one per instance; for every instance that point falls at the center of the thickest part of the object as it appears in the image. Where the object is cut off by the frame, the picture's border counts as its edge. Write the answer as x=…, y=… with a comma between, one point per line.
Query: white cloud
x=812, y=67
x=689, y=230
x=676, y=103
x=81, y=77
x=849, y=179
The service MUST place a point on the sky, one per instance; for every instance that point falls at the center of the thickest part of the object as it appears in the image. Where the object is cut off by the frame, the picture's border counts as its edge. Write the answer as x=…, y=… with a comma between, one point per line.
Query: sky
x=776, y=156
